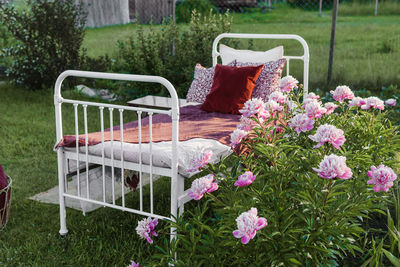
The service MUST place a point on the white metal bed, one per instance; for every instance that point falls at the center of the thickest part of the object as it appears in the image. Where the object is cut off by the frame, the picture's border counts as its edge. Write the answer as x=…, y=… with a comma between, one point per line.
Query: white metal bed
x=178, y=194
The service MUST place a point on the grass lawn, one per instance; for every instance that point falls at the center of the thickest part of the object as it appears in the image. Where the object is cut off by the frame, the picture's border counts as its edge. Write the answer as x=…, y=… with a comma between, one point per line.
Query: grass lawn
x=367, y=50
x=105, y=237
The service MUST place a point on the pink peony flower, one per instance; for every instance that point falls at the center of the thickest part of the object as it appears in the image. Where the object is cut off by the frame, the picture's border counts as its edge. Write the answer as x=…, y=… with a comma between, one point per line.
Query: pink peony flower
x=277, y=96
x=357, y=101
x=312, y=96
x=263, y=114
x=293, y=107
x=248, y=224
x=314, y=110
x=237, y=136
x=330, y=108
x=288, y=83
x=342, y=92
x=310, y=100
x=145, y=229
x=247, y=124
x=391, y=102
x=133, y=264
x=373, y=102
x=200, y=160
x=382, y=177
x=252, y=107
x=245, y=179
x=273, y=106
x=202, y=185
x=301, y=123
x=328, y=134
x=333, y=166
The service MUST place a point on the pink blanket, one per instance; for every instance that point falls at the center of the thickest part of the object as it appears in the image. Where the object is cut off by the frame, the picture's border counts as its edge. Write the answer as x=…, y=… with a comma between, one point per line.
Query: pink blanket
x=193, y=123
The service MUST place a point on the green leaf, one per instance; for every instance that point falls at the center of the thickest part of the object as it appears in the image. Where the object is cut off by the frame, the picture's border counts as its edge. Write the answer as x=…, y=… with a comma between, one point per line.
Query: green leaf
x=394, y=260
x=293, y=260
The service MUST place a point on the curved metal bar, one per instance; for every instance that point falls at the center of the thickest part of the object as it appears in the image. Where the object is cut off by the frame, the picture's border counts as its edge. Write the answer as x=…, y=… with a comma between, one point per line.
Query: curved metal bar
x=58, y=99
x=305, y=57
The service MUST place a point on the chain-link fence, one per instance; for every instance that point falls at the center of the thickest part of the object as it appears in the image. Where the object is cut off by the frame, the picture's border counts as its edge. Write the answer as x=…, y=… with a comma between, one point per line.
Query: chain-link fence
x=155, y=11
x=106, y=12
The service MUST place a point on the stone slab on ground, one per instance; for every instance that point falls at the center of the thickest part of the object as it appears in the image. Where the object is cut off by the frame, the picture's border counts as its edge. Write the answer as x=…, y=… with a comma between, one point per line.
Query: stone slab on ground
x=96, y=190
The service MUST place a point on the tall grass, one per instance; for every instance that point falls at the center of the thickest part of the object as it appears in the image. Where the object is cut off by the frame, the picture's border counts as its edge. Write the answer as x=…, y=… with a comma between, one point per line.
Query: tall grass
x=362, y=8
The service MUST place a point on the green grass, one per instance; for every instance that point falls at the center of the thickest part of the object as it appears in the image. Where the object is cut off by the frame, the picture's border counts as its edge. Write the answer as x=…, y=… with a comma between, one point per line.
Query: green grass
x=388, y=7
x=367, y=48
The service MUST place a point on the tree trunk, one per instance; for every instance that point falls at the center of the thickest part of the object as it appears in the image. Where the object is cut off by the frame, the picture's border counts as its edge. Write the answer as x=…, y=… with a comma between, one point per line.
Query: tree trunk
x=376, y=7
x=333, y=33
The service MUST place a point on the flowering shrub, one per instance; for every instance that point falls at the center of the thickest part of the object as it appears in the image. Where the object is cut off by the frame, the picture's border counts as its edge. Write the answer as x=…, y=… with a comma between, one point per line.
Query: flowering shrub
x=311, y=179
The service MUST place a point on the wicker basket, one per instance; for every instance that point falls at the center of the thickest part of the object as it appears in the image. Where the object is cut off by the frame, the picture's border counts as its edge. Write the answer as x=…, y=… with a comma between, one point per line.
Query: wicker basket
x=5, y=196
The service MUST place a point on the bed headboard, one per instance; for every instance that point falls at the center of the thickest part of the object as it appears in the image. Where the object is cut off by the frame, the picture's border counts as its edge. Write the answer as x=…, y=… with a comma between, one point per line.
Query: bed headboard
x=305, y=57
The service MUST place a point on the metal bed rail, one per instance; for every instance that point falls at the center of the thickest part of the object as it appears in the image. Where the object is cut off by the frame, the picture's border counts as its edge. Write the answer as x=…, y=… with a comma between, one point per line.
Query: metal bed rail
x=78, y=156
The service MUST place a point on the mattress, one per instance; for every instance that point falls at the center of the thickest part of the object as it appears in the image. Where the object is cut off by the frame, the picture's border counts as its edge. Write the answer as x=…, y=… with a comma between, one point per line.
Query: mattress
x=161, y=151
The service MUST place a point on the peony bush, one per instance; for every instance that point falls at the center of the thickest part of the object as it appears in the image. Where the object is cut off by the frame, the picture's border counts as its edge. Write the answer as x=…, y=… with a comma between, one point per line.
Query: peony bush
x=300, y=188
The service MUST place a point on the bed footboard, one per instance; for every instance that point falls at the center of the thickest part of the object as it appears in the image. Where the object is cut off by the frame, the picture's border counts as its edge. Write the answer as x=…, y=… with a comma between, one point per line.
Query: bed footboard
x=86, y=159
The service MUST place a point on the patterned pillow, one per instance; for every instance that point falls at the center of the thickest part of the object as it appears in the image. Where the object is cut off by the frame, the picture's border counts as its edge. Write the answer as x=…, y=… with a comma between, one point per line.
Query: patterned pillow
x=269, y=79
x=201, y=85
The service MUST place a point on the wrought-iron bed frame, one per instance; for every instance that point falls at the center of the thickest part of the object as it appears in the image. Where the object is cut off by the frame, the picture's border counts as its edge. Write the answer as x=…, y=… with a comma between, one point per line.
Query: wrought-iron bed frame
x=178, y=194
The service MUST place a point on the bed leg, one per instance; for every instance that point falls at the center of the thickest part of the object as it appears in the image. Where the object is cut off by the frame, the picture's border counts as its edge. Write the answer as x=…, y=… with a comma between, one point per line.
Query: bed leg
x=61, y=190
x=181, y=190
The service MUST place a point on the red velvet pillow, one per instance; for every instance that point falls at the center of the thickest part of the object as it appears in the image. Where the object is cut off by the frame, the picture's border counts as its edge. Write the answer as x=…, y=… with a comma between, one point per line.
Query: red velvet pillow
x=232, y=87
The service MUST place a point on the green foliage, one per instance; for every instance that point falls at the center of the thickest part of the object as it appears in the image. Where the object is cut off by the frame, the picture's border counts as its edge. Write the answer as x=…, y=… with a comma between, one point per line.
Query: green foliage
x=150, y=52
x=311, y=221
x=49, y=35
x=184, y=9
x=4, y=42
x=388, y=250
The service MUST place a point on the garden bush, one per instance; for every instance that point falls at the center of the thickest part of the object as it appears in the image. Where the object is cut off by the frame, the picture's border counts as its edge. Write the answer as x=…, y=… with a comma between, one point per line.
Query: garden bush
x=4, y=41
x=184, y=9
x=307, y=179
x=49, y=36
x=151, y=53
